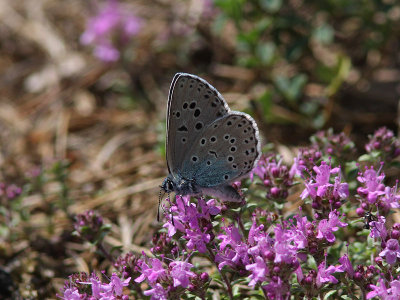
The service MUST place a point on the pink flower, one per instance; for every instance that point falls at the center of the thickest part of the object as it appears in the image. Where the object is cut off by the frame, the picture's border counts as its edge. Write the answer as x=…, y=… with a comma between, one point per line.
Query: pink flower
x=180, y=272
x=373, y=185
x=72, y=293
x=152, y=272
x=378, y=291
x=197, y=240
x=345, y=266
x=324, y=275
x=391, y=252
x=327, y=227
x=258, y=271
x=118, y=284
x=157, y=293
x=378, y=228
x=320, y=186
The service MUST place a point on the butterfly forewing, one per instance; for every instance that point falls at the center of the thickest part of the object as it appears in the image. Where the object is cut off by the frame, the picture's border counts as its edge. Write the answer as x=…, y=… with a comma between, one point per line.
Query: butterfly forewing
x=193, y=104
x=225, y=151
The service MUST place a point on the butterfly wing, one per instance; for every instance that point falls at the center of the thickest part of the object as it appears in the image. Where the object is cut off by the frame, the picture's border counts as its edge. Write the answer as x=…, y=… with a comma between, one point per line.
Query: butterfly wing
x=225, y=151
x=193, y=104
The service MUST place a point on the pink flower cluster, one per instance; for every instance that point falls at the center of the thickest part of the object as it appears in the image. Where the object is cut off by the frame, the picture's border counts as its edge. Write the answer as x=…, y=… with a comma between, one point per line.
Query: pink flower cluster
x=112, y=290
x=109, y=30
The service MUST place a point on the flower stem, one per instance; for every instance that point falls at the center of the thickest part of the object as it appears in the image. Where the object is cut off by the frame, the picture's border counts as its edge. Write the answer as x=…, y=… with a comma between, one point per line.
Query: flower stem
x=228, y=285
x=103, y=251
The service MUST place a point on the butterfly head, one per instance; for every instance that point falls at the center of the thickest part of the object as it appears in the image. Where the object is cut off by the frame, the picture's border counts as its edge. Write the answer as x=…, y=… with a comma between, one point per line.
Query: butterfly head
x=180, y=185
x=168, y=185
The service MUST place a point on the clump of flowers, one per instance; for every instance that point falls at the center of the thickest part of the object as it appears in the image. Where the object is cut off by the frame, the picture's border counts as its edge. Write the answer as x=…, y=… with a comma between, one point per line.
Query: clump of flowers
x=192, y=222
x=90, y=227
x=110, y=30
x=169, y=280
x=275, y=176
x=127, y=265
x=374, y=194
x=338, y=145
x=164, y=244
x=84, y=286
x=10, y=191
x=305, y=160
x=204, y=246
x=326, y=194
x=383, y=143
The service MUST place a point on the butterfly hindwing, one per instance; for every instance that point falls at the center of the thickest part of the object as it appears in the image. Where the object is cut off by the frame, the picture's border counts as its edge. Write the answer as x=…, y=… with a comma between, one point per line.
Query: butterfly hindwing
x=225, y=151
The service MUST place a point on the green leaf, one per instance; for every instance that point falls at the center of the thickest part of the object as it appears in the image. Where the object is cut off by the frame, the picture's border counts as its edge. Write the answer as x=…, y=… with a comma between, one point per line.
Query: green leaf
x=323, y=34
x=319, y=121
x=311, y=263
x=271, y=5
x=342, y=67
x=291, y=88
x=351, y=168
x=365, y=157
x=266, y=102
x=266, y=52
x=329, y=294
x=346, y=297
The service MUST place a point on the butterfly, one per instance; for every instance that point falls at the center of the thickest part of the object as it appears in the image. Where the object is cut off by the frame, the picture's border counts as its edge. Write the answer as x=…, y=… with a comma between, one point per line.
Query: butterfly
x=208, y=146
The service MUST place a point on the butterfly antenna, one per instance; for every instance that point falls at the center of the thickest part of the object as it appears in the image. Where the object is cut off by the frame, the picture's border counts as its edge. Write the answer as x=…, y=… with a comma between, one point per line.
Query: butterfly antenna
x=159, y=203
x=172, y=217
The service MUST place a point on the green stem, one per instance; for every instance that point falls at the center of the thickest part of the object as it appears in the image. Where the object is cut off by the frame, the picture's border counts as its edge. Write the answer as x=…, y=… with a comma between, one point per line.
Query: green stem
x=227, y=283
x=105, y=252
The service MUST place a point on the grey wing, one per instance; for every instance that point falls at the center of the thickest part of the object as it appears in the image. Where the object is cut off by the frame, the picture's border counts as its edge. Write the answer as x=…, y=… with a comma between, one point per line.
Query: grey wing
x=193, y=104
x=227, y=150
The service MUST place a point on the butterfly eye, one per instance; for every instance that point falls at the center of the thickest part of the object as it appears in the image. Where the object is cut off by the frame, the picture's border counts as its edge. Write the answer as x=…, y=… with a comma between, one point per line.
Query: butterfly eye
x=170, y=186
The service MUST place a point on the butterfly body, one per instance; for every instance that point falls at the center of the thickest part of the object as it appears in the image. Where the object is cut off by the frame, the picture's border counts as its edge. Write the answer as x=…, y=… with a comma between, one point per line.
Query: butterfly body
x=208, y=145
x=180, y=185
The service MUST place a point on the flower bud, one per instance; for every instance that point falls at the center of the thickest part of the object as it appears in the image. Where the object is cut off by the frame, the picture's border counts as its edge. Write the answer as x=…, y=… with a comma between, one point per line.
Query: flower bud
x=275, y=191
x=395, y=234
x=358, y=276
x=275, y=172
x=360, y=212
x=270, y=255
x=204, y=276
x=337, y=204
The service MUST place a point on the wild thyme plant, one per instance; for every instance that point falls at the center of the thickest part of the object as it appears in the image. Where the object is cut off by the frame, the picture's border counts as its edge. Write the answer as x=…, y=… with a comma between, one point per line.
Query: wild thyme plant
x=337, y=240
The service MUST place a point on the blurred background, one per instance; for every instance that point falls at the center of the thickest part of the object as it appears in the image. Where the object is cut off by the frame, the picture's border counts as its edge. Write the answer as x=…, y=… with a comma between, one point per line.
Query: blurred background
x=83, y=94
